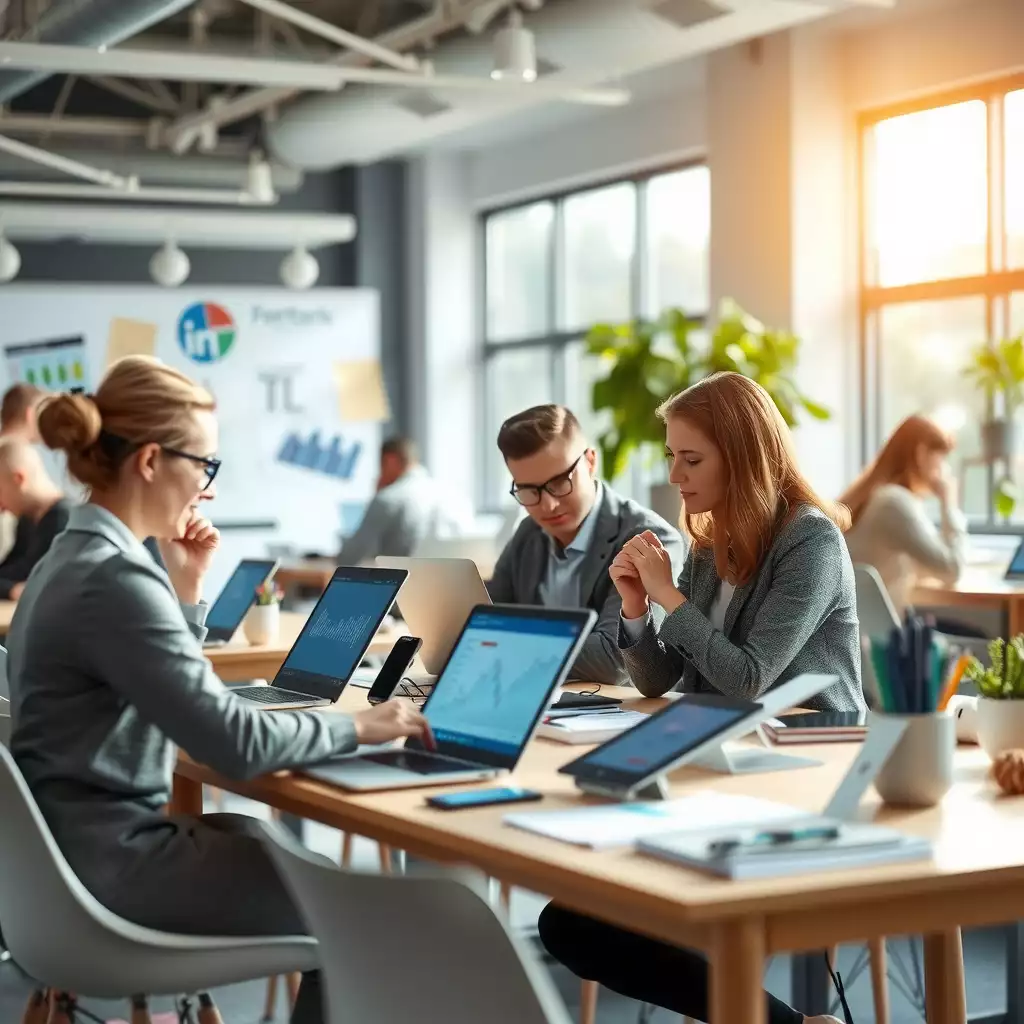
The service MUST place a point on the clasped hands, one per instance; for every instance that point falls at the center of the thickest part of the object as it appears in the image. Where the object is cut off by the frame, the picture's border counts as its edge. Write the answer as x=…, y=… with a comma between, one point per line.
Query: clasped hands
x=642, y=572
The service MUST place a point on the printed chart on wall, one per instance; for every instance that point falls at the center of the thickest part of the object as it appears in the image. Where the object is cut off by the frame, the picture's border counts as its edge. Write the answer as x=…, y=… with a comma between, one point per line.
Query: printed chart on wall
x=55, y=364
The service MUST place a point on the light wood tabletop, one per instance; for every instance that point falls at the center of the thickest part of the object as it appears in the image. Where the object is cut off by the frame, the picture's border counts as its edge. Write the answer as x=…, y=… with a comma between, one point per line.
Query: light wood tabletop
x=6, y=614
x=976, y=877
x=240, y=661
x=978, y=587
x=315, y=573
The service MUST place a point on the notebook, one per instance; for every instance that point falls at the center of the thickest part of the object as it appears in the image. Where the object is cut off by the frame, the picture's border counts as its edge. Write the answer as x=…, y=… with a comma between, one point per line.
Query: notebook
x=588, y=726
x=817, y=727
x=858, y=844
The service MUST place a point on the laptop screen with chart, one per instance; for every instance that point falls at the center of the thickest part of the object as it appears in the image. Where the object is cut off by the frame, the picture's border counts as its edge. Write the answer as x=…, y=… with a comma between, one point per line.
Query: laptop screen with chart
x=338, y=631
x=499, y=680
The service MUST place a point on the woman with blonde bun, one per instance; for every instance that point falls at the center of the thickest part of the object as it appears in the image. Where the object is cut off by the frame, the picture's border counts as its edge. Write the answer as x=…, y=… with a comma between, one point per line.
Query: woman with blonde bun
x=107, y=675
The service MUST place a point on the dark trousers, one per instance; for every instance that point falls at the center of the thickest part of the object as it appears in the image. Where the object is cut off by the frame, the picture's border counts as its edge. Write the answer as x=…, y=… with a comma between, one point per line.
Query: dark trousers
x=309, y=1006
x=638, y=967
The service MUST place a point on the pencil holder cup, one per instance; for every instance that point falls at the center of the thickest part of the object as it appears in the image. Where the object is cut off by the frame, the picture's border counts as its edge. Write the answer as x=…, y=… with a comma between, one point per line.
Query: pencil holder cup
x=919, y=771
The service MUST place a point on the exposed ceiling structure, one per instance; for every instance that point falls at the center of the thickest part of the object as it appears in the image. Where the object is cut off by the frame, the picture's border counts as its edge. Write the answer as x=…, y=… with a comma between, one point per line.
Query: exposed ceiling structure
x=227, y=102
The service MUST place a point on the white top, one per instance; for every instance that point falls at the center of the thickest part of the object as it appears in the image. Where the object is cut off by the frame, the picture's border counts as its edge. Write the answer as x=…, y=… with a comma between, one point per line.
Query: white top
x=720, y=605
x=895, y=535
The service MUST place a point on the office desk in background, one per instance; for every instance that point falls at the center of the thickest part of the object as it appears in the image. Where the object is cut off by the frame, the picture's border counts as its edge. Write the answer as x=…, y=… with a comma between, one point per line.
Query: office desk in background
x=314, y=573
x=979, y=587
x=6, y=614
x=976, y=878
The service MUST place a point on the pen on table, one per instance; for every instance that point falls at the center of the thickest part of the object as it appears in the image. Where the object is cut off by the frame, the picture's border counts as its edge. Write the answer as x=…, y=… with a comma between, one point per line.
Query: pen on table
x=773, y=839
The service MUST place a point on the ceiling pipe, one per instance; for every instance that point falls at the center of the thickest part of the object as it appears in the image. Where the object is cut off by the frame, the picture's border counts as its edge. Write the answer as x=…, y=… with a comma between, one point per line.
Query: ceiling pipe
x=100, y=176
x=95, y=23
x=135, y=193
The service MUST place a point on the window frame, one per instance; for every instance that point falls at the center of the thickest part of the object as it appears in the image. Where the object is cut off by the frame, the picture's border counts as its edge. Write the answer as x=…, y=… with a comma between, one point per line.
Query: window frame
x=558, y=341
x=995, y=285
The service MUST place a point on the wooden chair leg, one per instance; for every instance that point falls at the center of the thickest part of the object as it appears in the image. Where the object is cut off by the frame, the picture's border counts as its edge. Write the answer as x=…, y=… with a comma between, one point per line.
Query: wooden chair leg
x=270, y=1002
x=385, y=858
x=346, y=849
x=293, y=981
x=37, y=1009
x=588, y=1001
x=140, y=1011
x=505, y=895
x=879, y=979
x=208, y=1012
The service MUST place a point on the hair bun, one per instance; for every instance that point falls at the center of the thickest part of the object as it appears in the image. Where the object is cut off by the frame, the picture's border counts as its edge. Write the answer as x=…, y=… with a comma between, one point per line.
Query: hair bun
x=70, y=422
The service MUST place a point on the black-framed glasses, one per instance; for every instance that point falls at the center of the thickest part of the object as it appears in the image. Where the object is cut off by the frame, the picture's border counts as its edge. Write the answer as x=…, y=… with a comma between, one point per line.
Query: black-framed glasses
x=558, y=487
x=210, y=465
x=117, y=447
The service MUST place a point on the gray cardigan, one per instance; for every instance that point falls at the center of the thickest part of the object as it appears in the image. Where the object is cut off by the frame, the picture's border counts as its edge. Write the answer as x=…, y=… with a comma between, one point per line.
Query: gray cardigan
x=797, y=614
x=107, y=675
x=521, y=567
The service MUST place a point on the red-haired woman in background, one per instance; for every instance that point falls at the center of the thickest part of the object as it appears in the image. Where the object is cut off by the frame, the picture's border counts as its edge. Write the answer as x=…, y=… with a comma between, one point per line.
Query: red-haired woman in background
x=891, y=529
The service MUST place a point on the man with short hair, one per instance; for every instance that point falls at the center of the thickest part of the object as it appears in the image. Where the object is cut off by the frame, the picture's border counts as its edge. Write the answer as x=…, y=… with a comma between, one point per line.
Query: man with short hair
x=406, y=510
x=27, y=492
x=561, y=554
x=18, y=409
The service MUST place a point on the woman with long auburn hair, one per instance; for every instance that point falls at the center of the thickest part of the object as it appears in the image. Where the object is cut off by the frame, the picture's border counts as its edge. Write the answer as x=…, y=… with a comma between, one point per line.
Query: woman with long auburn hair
x=766, y=593
x=891, y=529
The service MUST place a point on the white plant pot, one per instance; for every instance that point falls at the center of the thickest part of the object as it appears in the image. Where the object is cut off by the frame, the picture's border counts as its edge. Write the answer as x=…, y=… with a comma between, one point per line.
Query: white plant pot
x=262, y=624
x=666, y=502
x=1000, y=725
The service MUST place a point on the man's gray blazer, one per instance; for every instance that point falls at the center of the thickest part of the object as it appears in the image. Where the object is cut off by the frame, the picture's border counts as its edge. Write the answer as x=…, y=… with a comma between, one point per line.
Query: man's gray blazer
x=521, y=568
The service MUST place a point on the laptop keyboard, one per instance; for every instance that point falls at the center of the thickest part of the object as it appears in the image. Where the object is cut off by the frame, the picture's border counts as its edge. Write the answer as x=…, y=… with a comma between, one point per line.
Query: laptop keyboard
x=272, y=695
x=421, y=764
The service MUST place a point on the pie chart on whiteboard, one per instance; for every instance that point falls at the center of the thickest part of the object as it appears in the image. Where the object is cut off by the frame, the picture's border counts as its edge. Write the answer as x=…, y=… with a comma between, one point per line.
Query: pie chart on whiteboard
x=206, y=332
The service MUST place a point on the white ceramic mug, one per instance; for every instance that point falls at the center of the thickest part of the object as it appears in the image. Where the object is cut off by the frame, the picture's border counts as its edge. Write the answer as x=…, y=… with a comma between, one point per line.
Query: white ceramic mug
x=919, y=771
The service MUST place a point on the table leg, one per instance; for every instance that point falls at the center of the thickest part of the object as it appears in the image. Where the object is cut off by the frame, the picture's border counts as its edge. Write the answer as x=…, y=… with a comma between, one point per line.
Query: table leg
x=1015, y=615
x=945, y=997
x=737, y=973
x=186, y=797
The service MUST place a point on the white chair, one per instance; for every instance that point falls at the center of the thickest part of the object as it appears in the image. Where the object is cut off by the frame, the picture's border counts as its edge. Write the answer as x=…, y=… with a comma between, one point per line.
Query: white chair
x=456, y=960
x=61, y=936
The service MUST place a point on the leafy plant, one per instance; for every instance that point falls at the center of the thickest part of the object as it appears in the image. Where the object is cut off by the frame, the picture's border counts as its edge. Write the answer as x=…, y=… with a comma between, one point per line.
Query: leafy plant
x=999, y=370
x=1004, y=679
x=268, y=593
x=651, y=360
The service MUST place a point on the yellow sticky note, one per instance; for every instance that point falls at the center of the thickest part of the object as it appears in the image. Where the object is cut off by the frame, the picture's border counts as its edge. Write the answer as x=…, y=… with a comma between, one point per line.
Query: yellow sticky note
x=362, y=397
x=130, y=338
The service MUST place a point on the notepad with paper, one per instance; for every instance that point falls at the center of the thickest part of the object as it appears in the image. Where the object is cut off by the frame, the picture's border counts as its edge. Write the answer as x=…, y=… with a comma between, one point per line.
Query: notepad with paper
x=854, y=844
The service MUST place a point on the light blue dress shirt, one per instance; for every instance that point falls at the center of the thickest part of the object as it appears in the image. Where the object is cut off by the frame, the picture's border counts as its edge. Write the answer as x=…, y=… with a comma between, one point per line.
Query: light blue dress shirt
x=560, y=587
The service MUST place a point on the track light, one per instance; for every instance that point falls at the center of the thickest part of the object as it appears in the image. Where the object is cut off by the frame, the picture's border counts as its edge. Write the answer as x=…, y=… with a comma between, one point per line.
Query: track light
x=299, y=269
x=10, y=261
x=515, y=51
x=169, y=266
x=259, y=187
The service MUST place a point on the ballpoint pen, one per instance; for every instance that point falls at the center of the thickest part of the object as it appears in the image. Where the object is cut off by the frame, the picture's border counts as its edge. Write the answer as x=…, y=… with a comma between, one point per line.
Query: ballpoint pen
x=772, y=840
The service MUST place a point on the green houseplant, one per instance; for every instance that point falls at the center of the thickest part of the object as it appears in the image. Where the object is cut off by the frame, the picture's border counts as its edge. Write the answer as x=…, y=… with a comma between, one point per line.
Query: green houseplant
x=1000, y=695
x=999, y=371
x=650, y=360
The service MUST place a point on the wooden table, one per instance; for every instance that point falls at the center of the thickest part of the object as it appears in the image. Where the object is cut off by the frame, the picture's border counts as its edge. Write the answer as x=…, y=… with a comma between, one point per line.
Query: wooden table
x=315, y=573
x=978, y=588
x=6, y=614
x=976, y=878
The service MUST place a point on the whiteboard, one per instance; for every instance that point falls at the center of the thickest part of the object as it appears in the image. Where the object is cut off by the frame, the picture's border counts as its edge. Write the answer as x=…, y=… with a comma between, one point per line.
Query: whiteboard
x=268, y=355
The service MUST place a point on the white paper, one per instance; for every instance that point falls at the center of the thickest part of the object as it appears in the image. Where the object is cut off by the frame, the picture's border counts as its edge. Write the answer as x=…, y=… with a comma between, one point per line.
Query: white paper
x=623, y=824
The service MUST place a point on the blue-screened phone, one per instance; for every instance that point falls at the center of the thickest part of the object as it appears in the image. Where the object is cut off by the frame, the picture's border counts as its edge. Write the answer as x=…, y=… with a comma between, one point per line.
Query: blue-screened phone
x=482, y=798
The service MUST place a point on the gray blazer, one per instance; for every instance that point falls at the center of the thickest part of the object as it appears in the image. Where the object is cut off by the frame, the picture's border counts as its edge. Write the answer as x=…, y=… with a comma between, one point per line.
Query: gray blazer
x=798, y=613
x=521, y=567
x=107, y=676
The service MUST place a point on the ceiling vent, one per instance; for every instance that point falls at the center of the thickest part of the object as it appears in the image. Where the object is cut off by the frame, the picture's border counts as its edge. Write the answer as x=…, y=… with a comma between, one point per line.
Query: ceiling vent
x=687, y=13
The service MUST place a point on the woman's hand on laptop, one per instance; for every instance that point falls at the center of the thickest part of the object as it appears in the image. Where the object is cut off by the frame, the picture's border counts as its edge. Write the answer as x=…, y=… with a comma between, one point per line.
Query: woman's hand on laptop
x=391, y=721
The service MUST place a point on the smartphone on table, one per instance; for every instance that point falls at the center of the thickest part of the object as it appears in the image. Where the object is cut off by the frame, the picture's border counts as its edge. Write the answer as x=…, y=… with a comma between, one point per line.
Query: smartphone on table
x=395, y=666
x=482, y=798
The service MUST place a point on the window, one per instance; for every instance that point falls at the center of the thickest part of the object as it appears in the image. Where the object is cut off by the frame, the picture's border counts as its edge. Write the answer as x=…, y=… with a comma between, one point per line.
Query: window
x=943, y=264
x=557, y=266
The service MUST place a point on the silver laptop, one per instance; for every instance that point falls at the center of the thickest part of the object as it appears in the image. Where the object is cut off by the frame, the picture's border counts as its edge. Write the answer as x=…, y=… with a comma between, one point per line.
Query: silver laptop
x=436, y=601
x=236, y=598
x=499, y=680
x=332, y=642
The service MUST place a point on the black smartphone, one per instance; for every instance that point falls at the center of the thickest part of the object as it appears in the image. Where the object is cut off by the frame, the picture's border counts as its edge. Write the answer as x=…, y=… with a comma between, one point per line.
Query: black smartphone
x=395, y=666
x=482, y=798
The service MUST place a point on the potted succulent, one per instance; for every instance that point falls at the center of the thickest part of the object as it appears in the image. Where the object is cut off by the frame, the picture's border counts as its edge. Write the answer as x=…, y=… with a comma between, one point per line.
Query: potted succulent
x=263, y=621
x=1000, y=696
x=999, y=371
x=650, y=360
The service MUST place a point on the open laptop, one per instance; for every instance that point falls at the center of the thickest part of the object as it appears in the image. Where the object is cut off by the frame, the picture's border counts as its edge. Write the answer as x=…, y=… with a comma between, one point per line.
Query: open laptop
x=332, y=642
x=227, y=612
x=436, y=601
x=503, y=670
